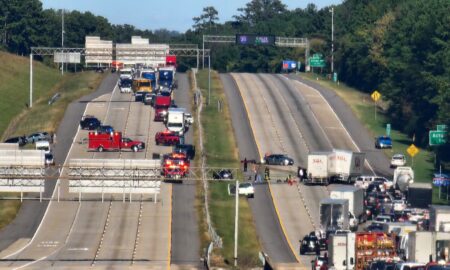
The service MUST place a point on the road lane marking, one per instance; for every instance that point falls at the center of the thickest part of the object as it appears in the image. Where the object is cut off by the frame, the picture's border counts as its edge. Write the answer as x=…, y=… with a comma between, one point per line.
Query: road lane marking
x=340, y=122
x=270, y=190
x=169, y=255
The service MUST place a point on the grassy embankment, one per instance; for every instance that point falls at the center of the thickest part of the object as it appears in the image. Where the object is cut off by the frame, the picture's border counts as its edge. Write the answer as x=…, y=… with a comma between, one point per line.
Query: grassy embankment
x=17, y=119
x=221, y=151
x=363, y=107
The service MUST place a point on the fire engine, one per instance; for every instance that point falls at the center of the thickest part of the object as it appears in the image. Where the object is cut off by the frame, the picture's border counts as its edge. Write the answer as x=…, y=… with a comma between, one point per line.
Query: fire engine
x=167, y=137
x=175, y=166
x=112, y=141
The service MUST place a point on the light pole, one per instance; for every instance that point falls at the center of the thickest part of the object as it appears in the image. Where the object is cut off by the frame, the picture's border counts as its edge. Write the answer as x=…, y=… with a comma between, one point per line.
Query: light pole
x=236, y=227
x=62, y=41
x=332, y=40
x=209, y=79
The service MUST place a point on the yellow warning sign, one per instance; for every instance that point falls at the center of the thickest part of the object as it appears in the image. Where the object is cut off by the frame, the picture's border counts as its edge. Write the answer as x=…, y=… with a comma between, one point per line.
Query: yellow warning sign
x=412, y=150
x=375, y=95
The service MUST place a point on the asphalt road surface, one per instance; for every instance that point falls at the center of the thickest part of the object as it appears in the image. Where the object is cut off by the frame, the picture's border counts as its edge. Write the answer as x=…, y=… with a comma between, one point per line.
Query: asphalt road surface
x=285, y=115
x=185, y=230
x=30, y=214
x=113, y=234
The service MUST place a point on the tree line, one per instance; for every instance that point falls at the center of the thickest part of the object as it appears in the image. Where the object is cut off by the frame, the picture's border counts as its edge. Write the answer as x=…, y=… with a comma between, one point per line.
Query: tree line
x=399, y=47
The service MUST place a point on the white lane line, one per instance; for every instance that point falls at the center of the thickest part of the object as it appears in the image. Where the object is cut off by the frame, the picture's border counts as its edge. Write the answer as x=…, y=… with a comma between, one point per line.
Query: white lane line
x=340, y=122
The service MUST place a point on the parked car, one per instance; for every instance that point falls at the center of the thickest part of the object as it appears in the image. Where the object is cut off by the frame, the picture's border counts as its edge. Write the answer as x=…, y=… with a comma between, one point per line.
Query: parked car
x=409, y=266
x=49, y=160
x=187, y=149
x=372, y=211
x=223, y=174
x=89, y=122
x=381, y=265
x=278, y=159
x=381, y=219
x=105, y=129
x=398, y=160
x=44, y=146
x=39, y=136
x=310, y=244
x=247, y=190
x=382, y=142
x=21, y=140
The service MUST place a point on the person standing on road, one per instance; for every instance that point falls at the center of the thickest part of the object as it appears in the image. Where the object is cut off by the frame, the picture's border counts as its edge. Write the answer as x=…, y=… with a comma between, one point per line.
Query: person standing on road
x=245, y=164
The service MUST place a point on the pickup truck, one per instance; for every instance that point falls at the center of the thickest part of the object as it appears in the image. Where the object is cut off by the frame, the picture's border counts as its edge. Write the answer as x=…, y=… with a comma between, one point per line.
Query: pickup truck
x=167, y=138
x=382, y=142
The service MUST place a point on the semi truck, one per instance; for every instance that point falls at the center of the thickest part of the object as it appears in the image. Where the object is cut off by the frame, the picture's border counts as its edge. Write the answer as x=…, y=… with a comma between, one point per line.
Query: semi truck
x=112, y=142
x=166, y=77
x=355, y=198
x=171, y=60
x=403, y=177
x=357, y=250
x=141, y=86
x=176, y=120
x=161, y=105
x=334, y=214
x=151, y=75
x=340, y=166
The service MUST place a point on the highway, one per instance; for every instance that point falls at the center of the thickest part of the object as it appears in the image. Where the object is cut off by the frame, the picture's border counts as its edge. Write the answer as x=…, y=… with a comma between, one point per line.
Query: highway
x=285, y=115
x=114, y=234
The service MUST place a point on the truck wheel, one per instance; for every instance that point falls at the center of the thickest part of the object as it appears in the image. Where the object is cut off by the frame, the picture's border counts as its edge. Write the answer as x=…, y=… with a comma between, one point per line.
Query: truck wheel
x=100, y=149
x=134, y=148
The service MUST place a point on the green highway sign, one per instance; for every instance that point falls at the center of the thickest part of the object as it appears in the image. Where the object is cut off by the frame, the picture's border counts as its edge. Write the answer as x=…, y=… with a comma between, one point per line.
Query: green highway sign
x=441, y=127
x=437, y=137
x=317, y=61
x=388, y=130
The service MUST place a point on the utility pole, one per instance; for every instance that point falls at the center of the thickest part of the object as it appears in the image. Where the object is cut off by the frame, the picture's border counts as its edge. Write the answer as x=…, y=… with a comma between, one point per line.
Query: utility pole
x=209, y=79
x=332, y=40
x=62, y=41
x=236, y=226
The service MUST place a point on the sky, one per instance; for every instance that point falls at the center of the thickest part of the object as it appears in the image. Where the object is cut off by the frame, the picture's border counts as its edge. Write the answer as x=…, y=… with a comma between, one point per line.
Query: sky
x=169, y=14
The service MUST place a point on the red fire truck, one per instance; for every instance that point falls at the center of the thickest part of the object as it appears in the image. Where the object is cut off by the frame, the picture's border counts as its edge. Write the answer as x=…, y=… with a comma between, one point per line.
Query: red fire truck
x=175, y=166
x=167, y=137
x=112, y=141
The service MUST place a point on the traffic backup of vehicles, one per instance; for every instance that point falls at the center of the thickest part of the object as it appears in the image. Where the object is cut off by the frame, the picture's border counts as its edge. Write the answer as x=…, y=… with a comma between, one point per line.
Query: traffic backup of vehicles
x=335, y=166
x=112, y=142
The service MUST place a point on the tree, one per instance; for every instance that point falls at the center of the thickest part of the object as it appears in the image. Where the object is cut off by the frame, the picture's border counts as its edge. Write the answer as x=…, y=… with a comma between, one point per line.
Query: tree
x=208, y=18
x=260, y=11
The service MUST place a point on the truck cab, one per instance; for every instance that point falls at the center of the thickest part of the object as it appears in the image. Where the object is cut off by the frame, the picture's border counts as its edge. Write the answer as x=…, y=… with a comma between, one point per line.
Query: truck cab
x=161, y=106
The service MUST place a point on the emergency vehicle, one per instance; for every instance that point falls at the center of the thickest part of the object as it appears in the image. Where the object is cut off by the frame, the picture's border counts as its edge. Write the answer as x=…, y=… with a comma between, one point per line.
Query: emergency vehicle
x=175, y=166
x=167, y=137
x=112, y=141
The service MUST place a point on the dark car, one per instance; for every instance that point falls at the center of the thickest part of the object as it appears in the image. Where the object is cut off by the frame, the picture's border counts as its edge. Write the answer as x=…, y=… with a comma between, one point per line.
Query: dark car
x=381, y=265
x=139, y=96
x=90, y=123
x=187, y=149
x=39, y=136
x=105, y=129
x=310, y=244
x=278, y=159
x=22, y=140
x=374, y=227
x=372, y=211
x=149, y=99
x=49, y=160
x=223, y=174
x=382, y=142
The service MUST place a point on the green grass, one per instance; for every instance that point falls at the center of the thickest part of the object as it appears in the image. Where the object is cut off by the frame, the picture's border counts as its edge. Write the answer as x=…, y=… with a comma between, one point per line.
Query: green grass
x=363, y=107
x=221, y=151
x=14, y=89
x=17, y=119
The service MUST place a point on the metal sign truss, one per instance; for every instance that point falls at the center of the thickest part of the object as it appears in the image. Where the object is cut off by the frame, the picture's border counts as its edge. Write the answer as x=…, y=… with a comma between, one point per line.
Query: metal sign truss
x=19, y=172
x=185, y=50
x=22, y=185
x=114, y=186
x=279, y=41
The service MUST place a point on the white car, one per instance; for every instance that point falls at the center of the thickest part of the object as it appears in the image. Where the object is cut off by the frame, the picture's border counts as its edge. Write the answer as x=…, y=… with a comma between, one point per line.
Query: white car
x=381, y=219
x=398, y=160
x=399, y=205
x=364, y=181
x=246, y=189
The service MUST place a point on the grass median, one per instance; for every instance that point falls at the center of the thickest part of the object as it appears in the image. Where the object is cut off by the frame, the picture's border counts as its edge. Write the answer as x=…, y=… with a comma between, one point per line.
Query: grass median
x=221, y=151
x=364, y=109
x=17, y=119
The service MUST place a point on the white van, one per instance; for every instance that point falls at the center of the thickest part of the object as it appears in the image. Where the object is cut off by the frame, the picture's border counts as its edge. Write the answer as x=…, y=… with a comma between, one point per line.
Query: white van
x=43, y=145
x=175, y=120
